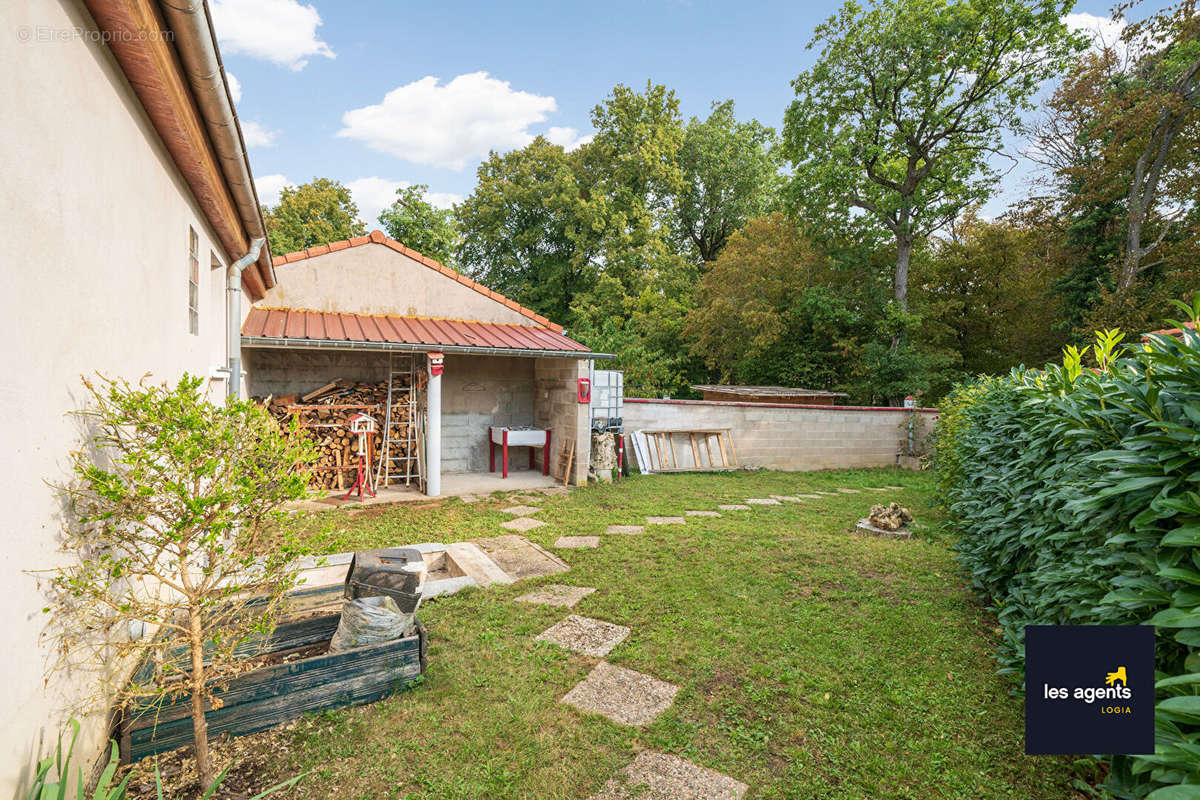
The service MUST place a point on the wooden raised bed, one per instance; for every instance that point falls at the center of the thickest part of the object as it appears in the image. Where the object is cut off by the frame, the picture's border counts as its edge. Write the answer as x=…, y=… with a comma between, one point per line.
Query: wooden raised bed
x=270, y=695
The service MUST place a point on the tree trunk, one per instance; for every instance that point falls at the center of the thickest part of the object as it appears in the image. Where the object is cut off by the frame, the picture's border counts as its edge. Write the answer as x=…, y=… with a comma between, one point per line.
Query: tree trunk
x=904, y=244
x=199, y=724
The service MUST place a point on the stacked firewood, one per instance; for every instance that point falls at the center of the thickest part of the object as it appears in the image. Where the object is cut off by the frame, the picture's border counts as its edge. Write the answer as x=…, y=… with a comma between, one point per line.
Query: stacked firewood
x=323, y=415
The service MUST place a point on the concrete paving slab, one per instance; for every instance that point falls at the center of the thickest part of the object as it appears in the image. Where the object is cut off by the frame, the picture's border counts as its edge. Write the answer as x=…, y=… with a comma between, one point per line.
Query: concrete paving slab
x=555, y=594
x=702, y=513
x=810, y=496
x=522, y=524
x=576, y=542
x=592, y=637
x=622, y=695
x=876, y=488
x=521, y=511
x=523, y=498
x=894, y=488
x=665, y=520
x=555, y=490
x=734, y=507
x=786, y=498
x=625, y=529
x=520, y=558
x=659, y=776
x=849, y=491
x=763, y=501
x=826, y=494
x=470, y=498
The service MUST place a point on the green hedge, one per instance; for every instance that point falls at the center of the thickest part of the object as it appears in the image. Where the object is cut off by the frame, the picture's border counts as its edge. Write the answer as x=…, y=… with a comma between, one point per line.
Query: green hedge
x=1076, y=497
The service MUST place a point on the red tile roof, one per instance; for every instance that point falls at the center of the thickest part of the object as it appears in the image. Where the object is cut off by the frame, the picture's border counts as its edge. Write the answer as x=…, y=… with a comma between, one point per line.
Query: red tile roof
x=378, y=237
x=324, y=326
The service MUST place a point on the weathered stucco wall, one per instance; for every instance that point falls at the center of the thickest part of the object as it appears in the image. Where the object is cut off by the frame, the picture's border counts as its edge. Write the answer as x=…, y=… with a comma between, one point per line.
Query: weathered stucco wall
x=375, y=279
x=789, y=437
x=557, y=409
x=95, y=224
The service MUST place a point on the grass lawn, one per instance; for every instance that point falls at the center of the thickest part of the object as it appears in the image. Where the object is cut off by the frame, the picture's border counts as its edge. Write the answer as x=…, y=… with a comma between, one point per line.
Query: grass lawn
x=812, y=663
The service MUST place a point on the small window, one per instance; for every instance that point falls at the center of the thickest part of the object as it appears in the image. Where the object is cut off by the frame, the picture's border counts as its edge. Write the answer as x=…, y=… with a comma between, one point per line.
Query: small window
x=193, y=282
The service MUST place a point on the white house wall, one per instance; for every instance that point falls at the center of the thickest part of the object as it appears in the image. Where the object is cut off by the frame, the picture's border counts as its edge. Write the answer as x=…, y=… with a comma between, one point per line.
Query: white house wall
x=95, y=224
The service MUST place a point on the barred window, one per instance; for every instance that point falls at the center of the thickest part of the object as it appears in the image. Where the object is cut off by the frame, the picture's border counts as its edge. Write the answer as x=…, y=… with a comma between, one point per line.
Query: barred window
x=193, y=282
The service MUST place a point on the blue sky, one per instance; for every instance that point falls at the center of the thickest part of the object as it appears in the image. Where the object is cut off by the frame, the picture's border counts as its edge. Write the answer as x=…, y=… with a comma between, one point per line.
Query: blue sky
x=379, y=94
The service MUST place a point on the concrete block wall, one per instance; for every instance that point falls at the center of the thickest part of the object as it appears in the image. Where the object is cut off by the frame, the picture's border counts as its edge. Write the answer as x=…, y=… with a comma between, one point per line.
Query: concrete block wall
x=788, y=437
x=279, y=372
x=557, y=408
x=478, y=392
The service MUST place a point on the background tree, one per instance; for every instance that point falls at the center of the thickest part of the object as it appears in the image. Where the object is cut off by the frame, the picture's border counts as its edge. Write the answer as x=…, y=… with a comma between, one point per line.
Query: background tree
x=524, y=229
x=730, y=176
x=906, y=104
x=310, y=214
x=416, y=223
x=172, y=497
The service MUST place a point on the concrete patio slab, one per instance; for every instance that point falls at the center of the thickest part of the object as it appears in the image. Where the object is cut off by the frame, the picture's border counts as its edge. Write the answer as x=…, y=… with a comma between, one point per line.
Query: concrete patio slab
x=555, y=490
x=577, y=541
x=734, y=507
x=622, y=695
x=763, y=501
x=702, y=513
x=786, y=498
x=522, y=524
x=665, y=520
x=659, y=776
x=625, y=529
x=555, y=594
x=810, y=496
x=849, y=491
x=592, y=637
x=521, y=511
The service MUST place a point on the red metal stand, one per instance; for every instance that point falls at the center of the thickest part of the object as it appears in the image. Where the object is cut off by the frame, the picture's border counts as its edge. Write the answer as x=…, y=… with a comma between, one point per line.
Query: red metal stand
x=360, y=480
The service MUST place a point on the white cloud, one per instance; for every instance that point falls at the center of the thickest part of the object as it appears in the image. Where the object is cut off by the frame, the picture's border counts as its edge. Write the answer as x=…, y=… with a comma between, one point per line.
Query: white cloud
x=1103, y=31
x=372, y=195
x=451, y=125
x=568, y=138
x=257, y=135
x=235, y=87
x=269, y=187
x=280, y=31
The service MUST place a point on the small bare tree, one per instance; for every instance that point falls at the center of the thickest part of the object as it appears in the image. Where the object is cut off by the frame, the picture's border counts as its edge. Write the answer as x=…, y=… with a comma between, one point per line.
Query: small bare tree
x=173, y=506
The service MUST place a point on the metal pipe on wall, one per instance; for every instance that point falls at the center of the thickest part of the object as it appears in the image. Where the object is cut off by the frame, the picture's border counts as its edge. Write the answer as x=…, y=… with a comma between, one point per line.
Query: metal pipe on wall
x=233, y=339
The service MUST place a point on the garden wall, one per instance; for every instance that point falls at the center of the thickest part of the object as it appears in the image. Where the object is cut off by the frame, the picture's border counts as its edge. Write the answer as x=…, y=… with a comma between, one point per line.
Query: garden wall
x=791, y=437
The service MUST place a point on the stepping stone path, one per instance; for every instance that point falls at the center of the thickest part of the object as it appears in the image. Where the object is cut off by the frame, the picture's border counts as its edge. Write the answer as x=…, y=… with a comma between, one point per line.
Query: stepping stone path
x=894, y=488
x=876, y=488
x=521, y=511
x=734, y=507
x=592, y=637
x=577, y=541
x=787, y=498
x=763, y=501
x=523, y=498
x=658, y=776
x=849, y=491
x=554, y=490
x=827, y=494
x=555, y=594
x=622, y=695
x=810, y=496
x=469, y=498
x=665, y=520
x=522, y=524
x=702, y=513
x=625, y=529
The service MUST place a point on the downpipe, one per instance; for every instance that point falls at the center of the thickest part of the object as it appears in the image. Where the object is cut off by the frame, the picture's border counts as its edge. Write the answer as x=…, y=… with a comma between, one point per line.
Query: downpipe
x=233, y=340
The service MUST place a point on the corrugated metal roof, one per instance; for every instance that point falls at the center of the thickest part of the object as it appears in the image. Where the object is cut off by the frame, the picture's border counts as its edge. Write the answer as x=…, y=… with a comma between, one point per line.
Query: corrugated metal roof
x=290, y=326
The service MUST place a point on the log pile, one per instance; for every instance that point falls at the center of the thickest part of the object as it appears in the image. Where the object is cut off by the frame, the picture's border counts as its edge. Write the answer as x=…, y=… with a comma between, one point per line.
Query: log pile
x=323, y=415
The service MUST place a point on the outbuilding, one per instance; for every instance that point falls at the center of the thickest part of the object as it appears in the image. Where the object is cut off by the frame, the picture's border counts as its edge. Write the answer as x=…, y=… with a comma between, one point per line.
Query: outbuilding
x=466, y=360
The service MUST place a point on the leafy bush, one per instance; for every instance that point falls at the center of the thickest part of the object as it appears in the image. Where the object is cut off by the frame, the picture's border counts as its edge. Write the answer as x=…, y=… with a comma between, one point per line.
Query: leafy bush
x=1074, y=492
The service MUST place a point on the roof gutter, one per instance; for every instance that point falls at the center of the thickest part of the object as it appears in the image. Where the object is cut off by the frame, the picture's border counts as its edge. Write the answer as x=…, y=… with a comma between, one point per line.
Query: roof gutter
x=269, y=342
x=195, y=41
